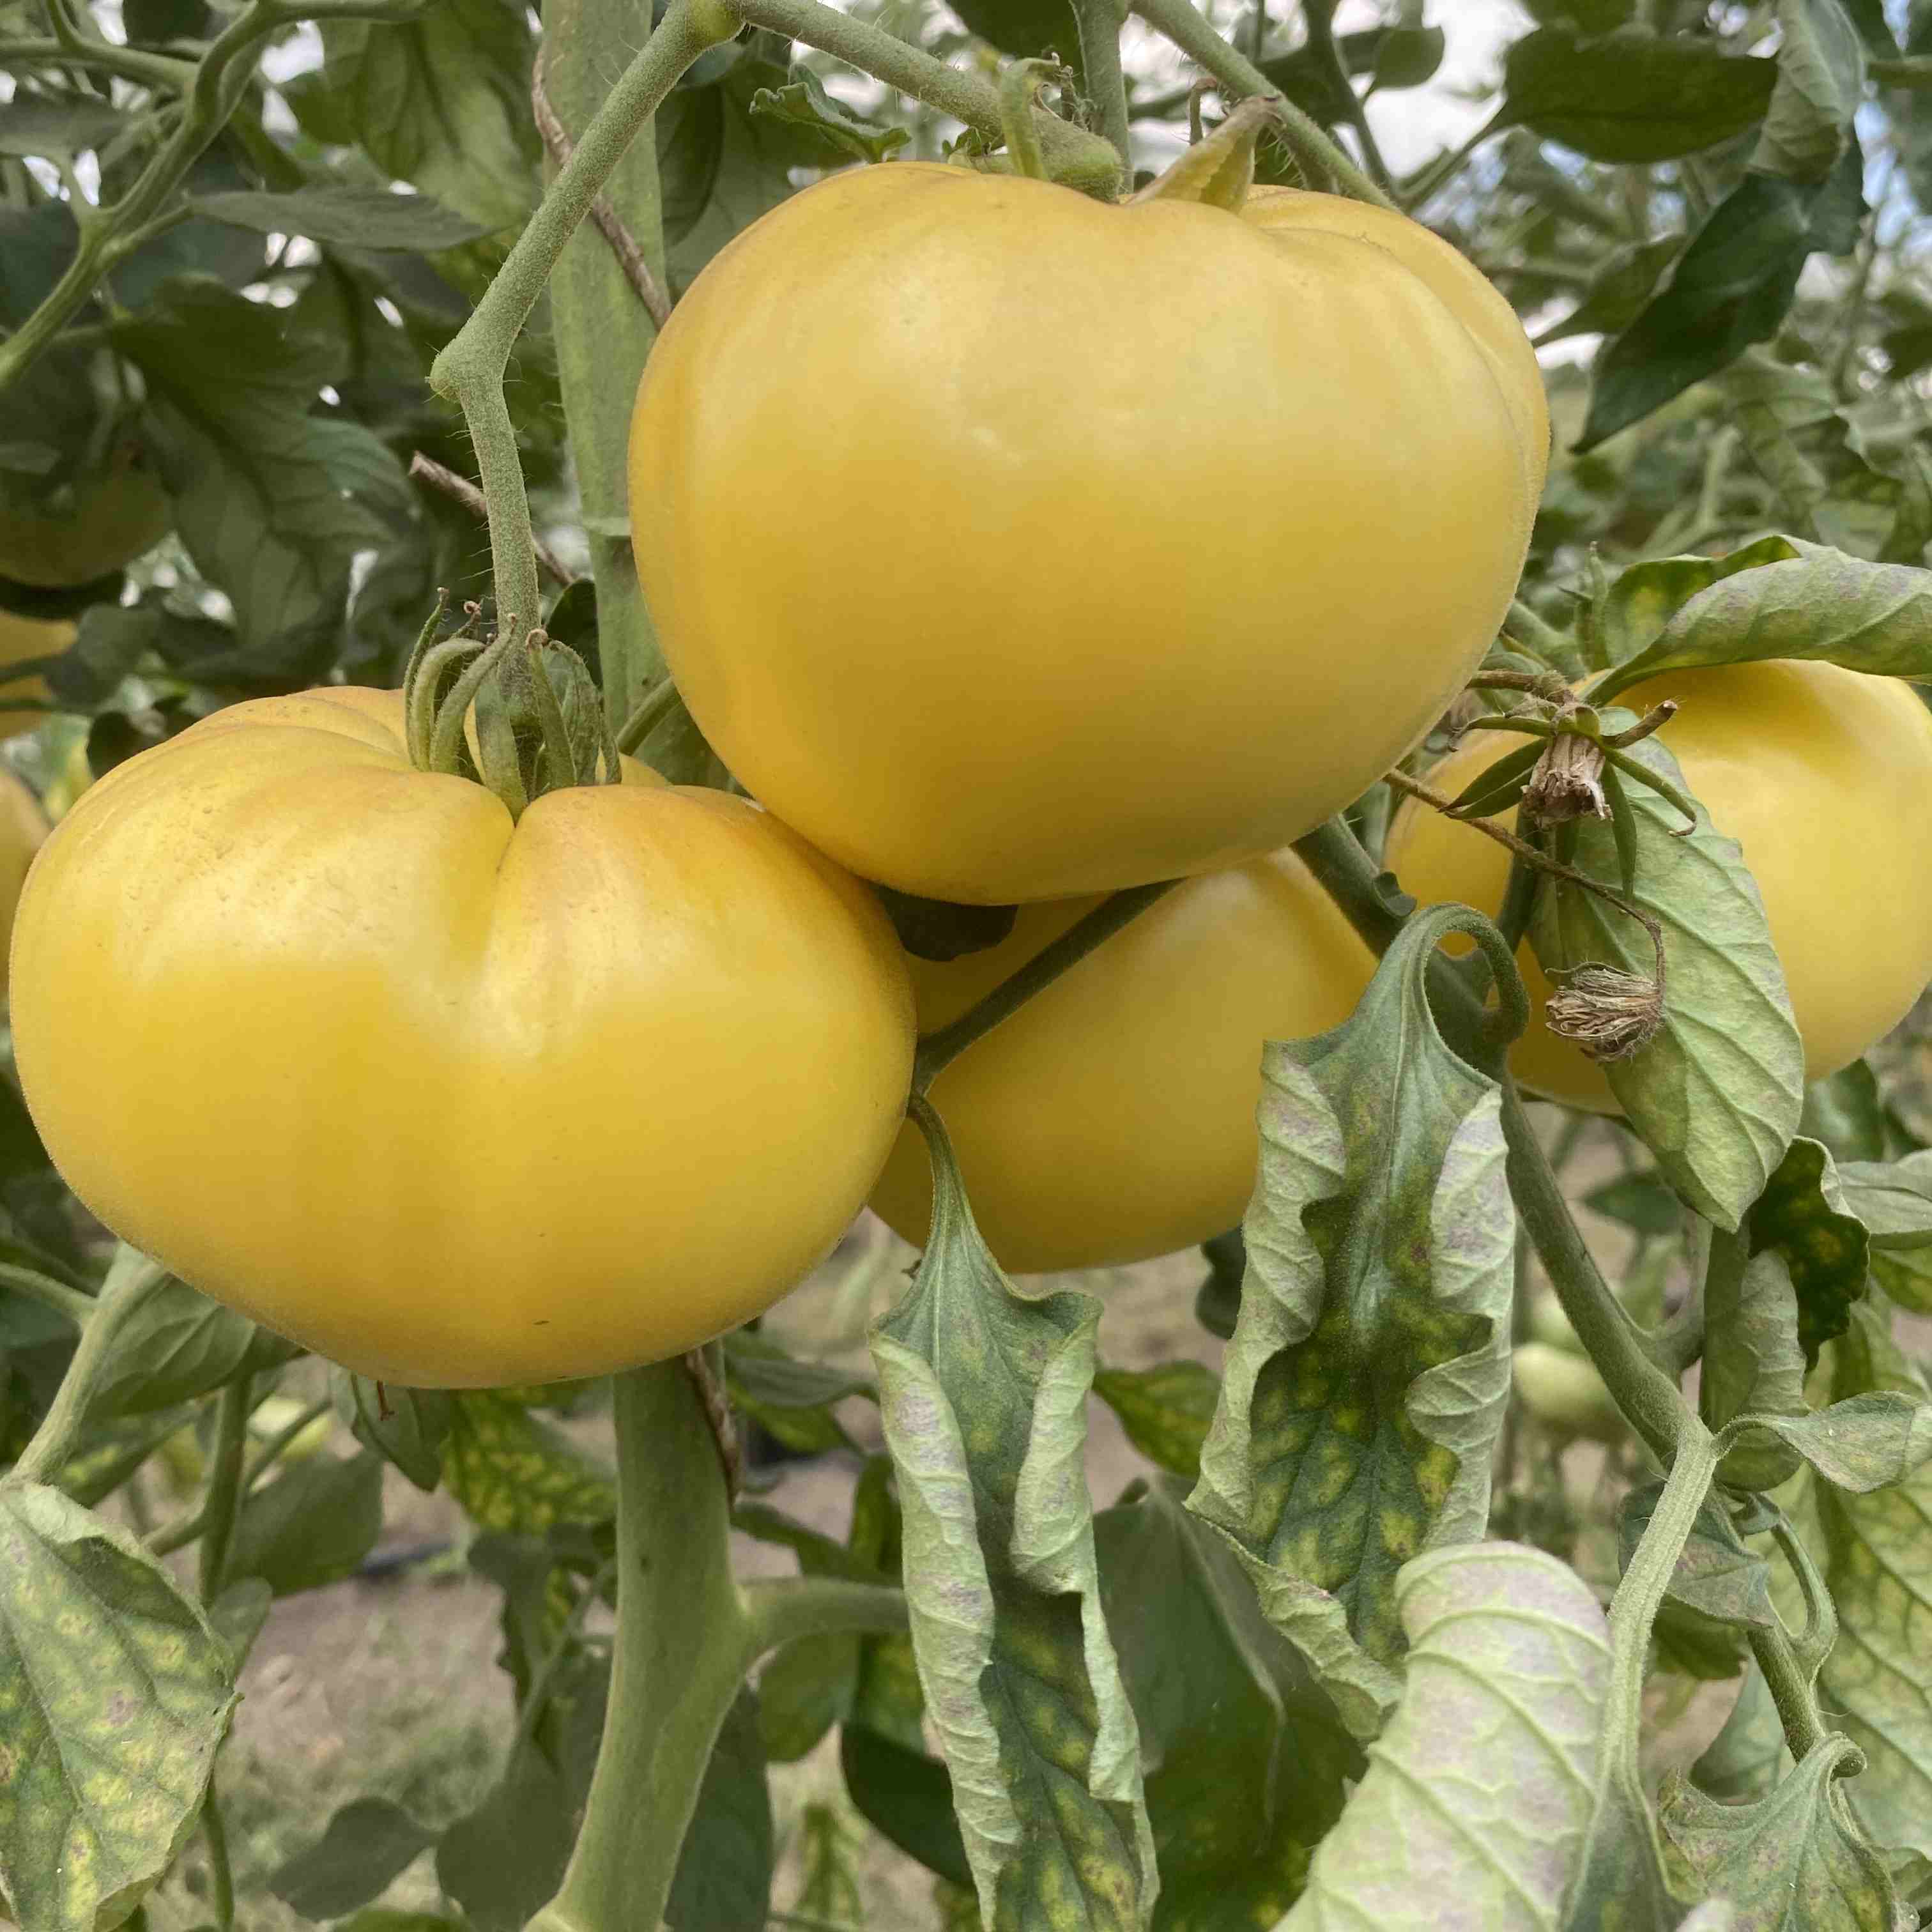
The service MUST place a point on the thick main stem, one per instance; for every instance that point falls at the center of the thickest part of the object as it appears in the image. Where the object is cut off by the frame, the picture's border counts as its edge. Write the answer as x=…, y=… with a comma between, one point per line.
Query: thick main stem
x=683, y=1644
x=1098, y=22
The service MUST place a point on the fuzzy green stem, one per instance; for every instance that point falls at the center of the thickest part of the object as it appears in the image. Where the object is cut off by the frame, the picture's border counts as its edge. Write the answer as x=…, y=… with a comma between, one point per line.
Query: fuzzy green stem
x=221, y=1867
x=1018, y=86
x=781, y=1609
x=681, y=1649
x=165, y=73
x=1074, y=157
x=469, y=370
x=1239, y=77
x=130, y=1282
x=1098, y=22
x=224, y=1484
x=656, y=705
x=77, y=1307
x=1791, y=1691
x=938, y=1050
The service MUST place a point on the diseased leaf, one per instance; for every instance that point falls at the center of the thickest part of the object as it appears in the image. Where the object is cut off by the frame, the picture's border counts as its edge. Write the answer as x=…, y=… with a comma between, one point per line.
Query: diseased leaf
x=1647, y=596
x=357, y=218
x=1477, y=1801
x=1630, y=98
x=1369, y=1369
x=1166, y=1410
x=1717, y=1576
x=511, y=1471
x=1716, y=1093
x=1247, y=1761
x=502, y=1862
x=1802, y=1215
x=115, y=1695
x=1894, y=1200
x=1865, y=1442
x=1793, y=1859
x=1748, y=1756
x=1819, y=603
x=982, y=1394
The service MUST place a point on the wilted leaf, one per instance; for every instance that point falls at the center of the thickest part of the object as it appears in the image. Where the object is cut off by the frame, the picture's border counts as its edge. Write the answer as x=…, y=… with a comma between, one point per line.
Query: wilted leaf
x=1716, y=1093
x=1477, y=1801
x=983, y=1397
x=115, y=1695
x=1369, y=1369
x=1631, y=98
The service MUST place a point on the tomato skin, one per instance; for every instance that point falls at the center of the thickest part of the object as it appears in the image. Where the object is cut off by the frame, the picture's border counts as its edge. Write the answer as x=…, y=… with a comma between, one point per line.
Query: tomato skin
x=23, y=829
x=454, y=1102
x=1824, y=776
x=1014, y=547
x=115, y=517
x=21, y=640
x=1112, y=1117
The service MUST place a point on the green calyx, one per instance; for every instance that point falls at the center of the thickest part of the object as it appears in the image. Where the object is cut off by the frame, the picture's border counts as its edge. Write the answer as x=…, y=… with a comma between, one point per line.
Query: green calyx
x=1219, y=169
x=535, y=710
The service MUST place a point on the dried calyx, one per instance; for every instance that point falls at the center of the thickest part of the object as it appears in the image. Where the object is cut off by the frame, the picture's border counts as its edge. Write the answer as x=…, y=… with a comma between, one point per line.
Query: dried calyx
x=1609, y=1013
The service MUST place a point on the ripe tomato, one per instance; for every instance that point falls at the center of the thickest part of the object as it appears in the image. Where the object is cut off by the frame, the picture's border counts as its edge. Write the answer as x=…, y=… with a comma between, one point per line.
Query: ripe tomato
x=454, y=1101
x=1112, y=1117
x=107, y=521
x=23, y=826
x=1824, y=776
x=1012, y=546
x=21, y=639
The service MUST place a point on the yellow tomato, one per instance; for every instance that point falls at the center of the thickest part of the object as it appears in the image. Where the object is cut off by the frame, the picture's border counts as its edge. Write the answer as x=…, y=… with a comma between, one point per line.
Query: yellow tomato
x=22, y=639
x=23, y=826
x=1824, y=776
x=1112, y=1117
x=456, y=1101
x=106, y=522
x=1012, y=546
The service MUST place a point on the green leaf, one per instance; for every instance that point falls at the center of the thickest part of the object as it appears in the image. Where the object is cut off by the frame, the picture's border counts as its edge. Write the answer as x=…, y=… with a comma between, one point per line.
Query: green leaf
x=829, y=1892
x=65, y=125
x=1026, y=28
x=1646, y=597
x=1816, y=603
x=1793, y=1859
x=1247, y=1763
x=404, y=1426
x=1369, y=1369
x=803, y=105
x=1844, y=1112
x=178, y=1344
x=1866, y=1442
x=1165, y=1410
x=237, y=1615
x=1821, y=76
x=357, y=218
x=938, y=929
x=1753, y=1361
x=1715, y=1095
x=511, y=1471
x=907, y=1797
x=1894, y=1200
x=1733, y=286
x=1747, y=1756
x=1717, y=1577
x=313, y=1524
x=156, y=23
x=115, y=1695
x=1623, y=283
x=794, y=1401
x=1802, y=1214
x=272, y=502
x=368, y=1843
x=982, y=1394
x=1642, y=1202
x=724, y=1880
x=113, y=1451
x=441, y=101
x=502, y=1862
x=1481, y=1789
x=1631, y=96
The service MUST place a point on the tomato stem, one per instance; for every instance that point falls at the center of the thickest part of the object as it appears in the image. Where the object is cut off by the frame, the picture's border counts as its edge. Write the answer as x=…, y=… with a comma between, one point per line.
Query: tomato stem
x=1098, y=22
x=1018, y=86
x=1239, y=77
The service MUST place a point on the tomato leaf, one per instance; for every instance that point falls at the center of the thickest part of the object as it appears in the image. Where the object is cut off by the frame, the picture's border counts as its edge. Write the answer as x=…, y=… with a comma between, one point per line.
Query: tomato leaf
x=313, y=1524
x=1844, y=1112
x=803, y=105
x=1796, y=1856
x=368, y=1843
x=907, y=1797
x=178, y=1344
x=1894, y=1201
x=794, y=1401
x=1866, y=1442
x=982, y=1394
x=1616, y=294
x=1633, y=97
x=117, y=1693
x=502, y=1862
x=272, y=502
x=724, y=1879
x=1821, y=74
x=1745, y=1758
x=511, y=1471
x=1508, y=1678
x=1716, y=1094
x=1815, y=604
x=1371, y=1360
x=1803, y=1214
x=1165, y=1410
x=358, y=217
x=65, y=125
x=1646, y=598
x=1249, y=1763
x=1718, y=1575
x=404, y=1426
x=1642, y=1202
x=1733, y=286
x=441, y=101
x=1753, y=1361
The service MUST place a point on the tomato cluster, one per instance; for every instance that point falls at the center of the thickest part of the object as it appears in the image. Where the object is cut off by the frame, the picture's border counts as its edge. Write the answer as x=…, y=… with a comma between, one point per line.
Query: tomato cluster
x=1011, y=549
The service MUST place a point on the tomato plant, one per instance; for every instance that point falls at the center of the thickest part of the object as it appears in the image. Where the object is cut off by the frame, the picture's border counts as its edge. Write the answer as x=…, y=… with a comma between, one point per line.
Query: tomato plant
x=1301, y=630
